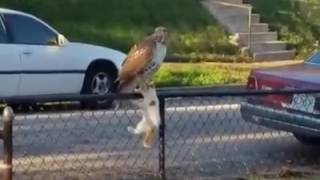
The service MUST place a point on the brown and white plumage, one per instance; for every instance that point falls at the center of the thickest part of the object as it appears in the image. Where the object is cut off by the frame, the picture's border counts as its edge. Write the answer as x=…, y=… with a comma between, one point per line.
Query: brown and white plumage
x=143, y=60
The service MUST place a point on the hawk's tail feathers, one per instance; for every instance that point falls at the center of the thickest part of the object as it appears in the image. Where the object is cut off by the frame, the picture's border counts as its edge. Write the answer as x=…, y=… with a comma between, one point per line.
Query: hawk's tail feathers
x=115, y=87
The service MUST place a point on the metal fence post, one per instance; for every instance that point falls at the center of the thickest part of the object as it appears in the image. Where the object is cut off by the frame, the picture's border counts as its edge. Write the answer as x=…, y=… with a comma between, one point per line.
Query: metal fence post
x=162, y=155
x=249, y=30
x=6, y=135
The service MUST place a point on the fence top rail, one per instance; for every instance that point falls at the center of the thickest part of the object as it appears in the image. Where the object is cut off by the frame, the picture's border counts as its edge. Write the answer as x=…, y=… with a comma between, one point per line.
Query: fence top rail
x=230, y=91
x=30, y=99
x=200, y=92
x=162, y=93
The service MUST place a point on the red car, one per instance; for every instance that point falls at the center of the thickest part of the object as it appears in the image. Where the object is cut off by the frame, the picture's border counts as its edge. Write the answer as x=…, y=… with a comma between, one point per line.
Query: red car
x=297, y=113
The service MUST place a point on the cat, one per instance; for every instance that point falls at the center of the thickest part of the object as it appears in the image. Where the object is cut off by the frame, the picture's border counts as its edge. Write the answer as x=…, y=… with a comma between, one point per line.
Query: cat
x=150, y=121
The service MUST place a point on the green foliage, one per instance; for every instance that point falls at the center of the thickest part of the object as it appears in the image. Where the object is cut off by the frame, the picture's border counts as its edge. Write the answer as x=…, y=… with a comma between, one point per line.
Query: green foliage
x=120, y=23
x=202, y=41
x=297, y=21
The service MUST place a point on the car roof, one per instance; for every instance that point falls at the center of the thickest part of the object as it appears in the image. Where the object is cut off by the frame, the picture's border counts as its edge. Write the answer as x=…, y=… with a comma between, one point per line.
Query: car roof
x=10, y=11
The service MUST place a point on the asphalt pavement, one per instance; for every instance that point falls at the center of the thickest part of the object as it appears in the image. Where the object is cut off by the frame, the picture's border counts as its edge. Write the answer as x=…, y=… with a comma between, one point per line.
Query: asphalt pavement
x=205, y=138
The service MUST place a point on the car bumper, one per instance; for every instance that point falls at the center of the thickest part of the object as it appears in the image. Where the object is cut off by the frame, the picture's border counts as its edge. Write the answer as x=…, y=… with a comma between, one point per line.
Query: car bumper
x=280, y=119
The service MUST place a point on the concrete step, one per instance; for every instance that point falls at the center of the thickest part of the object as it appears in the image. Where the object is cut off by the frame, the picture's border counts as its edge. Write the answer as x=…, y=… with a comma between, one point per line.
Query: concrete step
x=257, y=37
x=268, y=46
x=232, y=1
x=234, y=16
x=274, y=55
x=255, y=18
x=259, y=27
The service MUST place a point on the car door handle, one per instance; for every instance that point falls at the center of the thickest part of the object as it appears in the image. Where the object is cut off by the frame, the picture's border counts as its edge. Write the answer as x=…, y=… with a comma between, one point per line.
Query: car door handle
x=27, y=53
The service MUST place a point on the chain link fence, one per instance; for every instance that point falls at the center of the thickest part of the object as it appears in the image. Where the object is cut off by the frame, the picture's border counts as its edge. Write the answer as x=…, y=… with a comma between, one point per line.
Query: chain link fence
x=80, y=145
x=204, y=134
x=208, y=137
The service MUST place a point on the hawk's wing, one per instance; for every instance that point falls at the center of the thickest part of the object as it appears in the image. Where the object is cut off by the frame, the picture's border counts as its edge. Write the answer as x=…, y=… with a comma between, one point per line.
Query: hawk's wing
x=137, y=60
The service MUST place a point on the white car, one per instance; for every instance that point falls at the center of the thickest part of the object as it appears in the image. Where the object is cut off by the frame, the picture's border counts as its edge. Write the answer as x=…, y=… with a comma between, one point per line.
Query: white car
x=37, y=60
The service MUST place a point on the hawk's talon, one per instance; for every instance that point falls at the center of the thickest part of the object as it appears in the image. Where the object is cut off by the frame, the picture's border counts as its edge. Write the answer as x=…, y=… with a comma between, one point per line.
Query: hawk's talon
x=151, y=84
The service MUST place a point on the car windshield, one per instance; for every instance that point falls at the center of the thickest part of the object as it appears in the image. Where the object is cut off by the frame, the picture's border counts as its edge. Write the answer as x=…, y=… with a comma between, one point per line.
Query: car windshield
x=314, y=59
x=2, y=32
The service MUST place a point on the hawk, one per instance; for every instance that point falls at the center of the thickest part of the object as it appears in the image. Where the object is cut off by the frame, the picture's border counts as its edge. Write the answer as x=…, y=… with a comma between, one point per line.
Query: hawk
x=143, y=60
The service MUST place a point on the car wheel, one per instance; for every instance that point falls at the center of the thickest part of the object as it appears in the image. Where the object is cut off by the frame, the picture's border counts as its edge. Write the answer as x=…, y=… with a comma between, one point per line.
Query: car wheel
x=308, y=140
x=98, y=81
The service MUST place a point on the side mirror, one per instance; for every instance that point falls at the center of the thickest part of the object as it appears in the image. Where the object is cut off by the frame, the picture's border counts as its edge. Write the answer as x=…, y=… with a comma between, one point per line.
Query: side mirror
x=61, y=40
x=58, y=40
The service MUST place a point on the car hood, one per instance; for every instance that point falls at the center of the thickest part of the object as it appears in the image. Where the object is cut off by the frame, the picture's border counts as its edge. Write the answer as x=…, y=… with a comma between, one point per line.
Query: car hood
x=298, y=74
x=97, y=52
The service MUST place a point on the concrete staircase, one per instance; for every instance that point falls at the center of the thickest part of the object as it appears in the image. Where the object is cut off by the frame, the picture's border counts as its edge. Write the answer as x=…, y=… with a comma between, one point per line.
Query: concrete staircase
x=234, y=16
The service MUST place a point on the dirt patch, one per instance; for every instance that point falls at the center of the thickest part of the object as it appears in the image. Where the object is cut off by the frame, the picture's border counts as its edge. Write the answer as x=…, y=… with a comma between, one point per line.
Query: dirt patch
x=286, y=173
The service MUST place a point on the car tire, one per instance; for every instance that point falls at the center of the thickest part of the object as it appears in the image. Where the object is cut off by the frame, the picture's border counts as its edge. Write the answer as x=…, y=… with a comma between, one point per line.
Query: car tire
x=25, y=107
x=307, y=140
x=245, y=115
x=98, y=80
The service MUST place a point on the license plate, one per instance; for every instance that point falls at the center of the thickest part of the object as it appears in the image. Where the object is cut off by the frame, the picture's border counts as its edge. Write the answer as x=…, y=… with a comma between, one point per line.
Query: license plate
x=303, y=102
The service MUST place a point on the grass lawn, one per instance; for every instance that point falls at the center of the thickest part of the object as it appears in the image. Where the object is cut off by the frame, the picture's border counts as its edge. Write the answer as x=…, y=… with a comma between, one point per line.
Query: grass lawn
x=209, y=74
x=121, y=23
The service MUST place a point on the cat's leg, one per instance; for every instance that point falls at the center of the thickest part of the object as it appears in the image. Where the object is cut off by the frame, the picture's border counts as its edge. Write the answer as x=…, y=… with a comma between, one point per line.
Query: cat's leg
x=150, y=109
x=153, y=121
x=145, y=128
x=151, y=106
x=149, y=137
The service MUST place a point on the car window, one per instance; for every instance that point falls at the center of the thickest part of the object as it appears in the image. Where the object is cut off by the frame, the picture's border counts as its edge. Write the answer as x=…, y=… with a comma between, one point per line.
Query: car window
x=315, y=59
x=26, y=30
x=3, y=35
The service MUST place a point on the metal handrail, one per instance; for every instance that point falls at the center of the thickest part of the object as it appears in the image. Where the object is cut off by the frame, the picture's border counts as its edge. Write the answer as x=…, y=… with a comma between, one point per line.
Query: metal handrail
x=235, y=5
x=7, y=138
x=249, y=7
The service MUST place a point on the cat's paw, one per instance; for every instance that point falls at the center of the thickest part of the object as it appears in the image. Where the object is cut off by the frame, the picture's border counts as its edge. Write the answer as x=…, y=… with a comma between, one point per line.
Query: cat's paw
x=146, y=145
x=131, y=130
